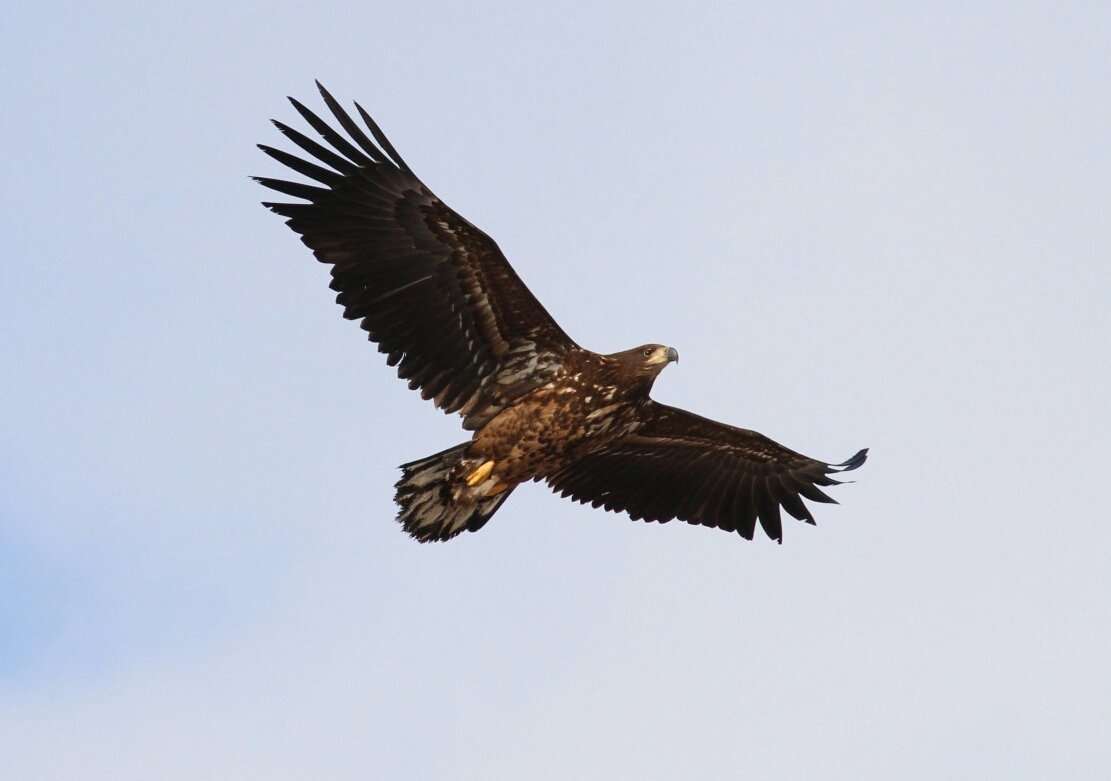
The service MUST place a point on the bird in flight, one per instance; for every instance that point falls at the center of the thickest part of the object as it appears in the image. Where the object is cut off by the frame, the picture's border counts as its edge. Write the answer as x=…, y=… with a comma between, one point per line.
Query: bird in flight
x=444, y=305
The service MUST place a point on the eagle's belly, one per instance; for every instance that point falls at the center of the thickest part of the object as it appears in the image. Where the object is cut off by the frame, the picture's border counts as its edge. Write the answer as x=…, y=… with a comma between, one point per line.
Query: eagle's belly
x=547, y=429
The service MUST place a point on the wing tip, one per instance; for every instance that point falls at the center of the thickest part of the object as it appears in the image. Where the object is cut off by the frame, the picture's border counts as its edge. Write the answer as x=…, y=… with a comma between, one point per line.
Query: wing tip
x=853, y=463
x=324, y=93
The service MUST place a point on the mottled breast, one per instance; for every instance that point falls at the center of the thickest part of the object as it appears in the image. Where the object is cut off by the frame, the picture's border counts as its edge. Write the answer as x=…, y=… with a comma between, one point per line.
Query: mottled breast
x=551, y=426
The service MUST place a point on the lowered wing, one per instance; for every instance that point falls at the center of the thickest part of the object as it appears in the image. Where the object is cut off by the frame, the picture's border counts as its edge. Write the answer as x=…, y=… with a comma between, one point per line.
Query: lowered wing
x=680, y=465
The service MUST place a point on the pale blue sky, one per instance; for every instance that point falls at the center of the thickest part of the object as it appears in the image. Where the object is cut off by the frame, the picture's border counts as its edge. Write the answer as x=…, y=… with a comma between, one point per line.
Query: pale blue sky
x=879, y=225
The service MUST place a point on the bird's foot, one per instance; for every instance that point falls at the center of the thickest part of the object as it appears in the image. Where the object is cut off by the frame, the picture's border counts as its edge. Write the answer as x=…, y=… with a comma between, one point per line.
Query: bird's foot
x=480, y=474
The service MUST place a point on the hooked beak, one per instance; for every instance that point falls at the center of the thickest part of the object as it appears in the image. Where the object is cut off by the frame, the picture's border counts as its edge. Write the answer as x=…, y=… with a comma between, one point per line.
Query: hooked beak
x=672, y=354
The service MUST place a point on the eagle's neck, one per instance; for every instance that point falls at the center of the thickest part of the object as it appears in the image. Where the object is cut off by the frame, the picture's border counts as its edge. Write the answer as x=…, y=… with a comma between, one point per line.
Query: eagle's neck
x=624, y=381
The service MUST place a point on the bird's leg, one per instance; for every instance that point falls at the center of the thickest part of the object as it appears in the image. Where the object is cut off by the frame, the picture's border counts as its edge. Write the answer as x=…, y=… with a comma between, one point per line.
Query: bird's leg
x=480, y=474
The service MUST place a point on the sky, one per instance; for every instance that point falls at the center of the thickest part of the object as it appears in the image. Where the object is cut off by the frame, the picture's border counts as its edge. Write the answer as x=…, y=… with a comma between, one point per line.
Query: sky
x=877, y=225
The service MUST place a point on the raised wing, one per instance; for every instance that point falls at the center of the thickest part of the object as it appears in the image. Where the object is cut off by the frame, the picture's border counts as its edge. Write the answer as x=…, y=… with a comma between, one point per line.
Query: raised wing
x=431, y=289
x=680, y=465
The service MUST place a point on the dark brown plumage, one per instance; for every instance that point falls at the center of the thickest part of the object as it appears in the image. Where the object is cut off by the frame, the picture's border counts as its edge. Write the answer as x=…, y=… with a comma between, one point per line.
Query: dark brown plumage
x=438, y=297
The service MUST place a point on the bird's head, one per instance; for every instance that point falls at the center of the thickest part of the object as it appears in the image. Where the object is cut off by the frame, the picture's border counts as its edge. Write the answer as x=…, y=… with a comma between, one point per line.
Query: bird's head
x=646, y=361
x=656, y=356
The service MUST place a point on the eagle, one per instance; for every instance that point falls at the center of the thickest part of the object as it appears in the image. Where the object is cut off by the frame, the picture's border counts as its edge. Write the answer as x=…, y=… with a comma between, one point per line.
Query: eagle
x=443, y=304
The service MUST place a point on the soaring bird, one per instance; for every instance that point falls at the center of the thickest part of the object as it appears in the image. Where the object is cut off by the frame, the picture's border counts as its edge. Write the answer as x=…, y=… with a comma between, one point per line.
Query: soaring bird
x=441, y=301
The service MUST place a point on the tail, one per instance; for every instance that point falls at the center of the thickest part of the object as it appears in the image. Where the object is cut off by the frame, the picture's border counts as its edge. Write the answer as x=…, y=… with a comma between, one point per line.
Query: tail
x=435, y=500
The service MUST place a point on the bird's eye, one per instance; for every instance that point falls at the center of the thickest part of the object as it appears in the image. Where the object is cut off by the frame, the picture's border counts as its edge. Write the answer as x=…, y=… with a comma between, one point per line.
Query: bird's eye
x=648, y=352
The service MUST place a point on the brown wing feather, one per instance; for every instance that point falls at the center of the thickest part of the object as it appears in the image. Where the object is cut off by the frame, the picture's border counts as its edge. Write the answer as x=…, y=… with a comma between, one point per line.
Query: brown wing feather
x=680, y=465
x=430, y=288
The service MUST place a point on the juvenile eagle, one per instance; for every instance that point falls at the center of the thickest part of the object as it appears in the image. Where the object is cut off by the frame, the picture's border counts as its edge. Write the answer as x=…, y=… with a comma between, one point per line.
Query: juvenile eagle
x=447, y=309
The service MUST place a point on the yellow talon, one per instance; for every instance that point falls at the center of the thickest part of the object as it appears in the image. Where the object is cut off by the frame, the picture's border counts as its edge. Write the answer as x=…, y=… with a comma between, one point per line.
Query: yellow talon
x=480, y=474
x=497, y=489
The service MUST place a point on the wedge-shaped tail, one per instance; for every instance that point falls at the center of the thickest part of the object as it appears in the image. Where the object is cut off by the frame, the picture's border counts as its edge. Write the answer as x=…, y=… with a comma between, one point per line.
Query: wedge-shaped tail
x=435, y=500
